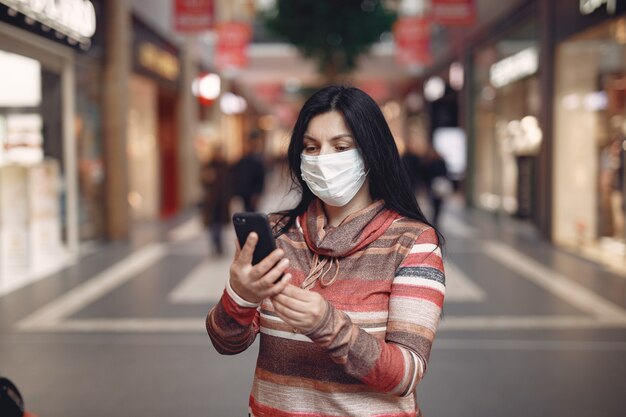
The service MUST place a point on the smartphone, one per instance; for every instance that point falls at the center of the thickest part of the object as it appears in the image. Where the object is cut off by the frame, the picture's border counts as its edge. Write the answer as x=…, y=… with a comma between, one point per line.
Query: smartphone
x=255, y=222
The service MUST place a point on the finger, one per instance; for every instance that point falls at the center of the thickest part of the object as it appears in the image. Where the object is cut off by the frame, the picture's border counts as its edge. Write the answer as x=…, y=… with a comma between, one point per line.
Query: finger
x=248, y=248
x=291, y=303
x=287, y=313
x=279, y=286
x=268, y=262
x=237, y=247
x=269, y=278
x=298, y=293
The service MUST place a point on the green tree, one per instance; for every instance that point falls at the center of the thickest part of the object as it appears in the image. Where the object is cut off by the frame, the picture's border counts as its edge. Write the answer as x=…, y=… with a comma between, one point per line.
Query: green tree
x=332, y=32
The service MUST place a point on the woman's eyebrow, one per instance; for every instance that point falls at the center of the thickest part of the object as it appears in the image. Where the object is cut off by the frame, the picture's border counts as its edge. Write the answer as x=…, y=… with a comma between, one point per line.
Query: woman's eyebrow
x=339, y=136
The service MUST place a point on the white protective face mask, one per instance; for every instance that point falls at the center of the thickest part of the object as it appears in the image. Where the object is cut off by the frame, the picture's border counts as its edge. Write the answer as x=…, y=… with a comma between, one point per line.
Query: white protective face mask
x=334, y=178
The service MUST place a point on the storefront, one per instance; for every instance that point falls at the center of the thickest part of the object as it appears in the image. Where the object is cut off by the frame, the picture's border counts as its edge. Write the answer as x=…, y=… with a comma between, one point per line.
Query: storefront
x=504, y=106
x=43, y=136
x=590, y=130
x=152, y=146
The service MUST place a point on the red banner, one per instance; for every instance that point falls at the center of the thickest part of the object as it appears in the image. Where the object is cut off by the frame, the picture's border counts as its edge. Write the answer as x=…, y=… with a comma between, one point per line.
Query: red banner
x=412, y=38
x=453, y=12
x=232, y=45
x=193, y=15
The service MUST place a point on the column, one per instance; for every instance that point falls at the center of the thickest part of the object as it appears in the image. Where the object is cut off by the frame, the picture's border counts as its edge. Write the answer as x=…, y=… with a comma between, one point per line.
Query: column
x=115, y=114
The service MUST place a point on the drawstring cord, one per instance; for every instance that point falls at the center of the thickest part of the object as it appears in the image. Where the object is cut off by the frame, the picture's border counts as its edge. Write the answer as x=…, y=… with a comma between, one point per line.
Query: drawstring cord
x=319, y=270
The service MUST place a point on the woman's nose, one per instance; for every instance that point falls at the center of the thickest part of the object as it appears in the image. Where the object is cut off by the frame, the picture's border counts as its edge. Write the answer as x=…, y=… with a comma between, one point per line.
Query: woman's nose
x=325, y=149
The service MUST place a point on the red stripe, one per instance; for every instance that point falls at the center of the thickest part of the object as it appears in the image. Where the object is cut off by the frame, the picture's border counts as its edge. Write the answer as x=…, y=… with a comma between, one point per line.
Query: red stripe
x=242, y=315
x=381, y=377
x=423, y=259
x=421, y=293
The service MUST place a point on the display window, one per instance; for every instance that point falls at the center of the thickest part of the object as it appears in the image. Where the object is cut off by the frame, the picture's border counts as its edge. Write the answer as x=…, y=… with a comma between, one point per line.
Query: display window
x=143, y=149
x=33, y=215
x=590, y=142
x=506, y=132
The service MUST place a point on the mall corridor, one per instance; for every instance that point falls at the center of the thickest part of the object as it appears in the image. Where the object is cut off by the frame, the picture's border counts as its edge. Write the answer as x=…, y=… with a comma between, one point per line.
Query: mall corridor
x=528, y=330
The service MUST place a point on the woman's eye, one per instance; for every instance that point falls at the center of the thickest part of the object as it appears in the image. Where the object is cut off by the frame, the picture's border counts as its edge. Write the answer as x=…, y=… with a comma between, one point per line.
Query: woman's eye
x=309, y=149
x=342, y=148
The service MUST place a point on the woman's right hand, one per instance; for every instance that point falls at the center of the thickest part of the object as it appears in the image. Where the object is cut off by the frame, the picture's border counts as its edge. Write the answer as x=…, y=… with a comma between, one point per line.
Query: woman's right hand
x=254, y=283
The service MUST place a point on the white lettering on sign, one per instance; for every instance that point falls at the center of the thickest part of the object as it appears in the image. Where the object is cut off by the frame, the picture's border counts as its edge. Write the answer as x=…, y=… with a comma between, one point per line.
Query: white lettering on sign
x=590, y=6
x=515, y=67
x=75, y=19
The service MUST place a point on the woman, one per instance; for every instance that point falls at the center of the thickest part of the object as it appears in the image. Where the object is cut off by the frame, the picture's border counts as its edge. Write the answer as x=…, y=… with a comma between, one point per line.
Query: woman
x=349, y=328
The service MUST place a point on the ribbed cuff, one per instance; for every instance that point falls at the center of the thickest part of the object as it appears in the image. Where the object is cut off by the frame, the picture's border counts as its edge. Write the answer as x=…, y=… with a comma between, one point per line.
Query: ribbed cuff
x=321, y=328
x=237, y=299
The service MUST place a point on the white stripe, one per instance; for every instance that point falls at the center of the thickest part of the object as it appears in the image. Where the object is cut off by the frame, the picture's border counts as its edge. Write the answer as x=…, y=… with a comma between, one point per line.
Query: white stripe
x=285, y=335
x=88, y=292
x=529, y=322
x=204, y=284
x=426, y=248
x=555, y=283
x=418, y=370
x=459, y=287
x=550, y=345
x=196, y=325
x=273, y=318
x=237, y=299
x=363, y=315
x=420, y=282
x=120, y=326
x=374, y=329
x=382, y=316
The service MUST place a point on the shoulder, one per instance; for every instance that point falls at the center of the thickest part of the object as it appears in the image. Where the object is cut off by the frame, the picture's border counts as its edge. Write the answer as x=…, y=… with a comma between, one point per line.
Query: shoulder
x=414, y=232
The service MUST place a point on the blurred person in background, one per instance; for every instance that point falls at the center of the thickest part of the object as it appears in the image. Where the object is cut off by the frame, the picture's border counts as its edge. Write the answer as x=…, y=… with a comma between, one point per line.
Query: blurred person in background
x=249, y=173
x=348, y=329
x=215, y=177
x=415, y=169
x=437, y=182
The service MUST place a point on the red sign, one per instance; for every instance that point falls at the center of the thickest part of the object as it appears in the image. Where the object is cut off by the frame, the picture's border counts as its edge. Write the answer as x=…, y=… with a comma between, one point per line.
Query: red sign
x=453, y=12
x=232, y=45
x=412, y=38
x=193, y=15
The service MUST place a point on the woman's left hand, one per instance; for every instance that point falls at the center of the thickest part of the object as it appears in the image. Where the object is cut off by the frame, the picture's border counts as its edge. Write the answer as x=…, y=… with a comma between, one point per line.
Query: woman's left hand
x=301, y=309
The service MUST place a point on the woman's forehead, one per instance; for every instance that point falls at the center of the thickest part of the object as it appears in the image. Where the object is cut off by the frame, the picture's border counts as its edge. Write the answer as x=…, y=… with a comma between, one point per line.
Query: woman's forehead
x=326, y=126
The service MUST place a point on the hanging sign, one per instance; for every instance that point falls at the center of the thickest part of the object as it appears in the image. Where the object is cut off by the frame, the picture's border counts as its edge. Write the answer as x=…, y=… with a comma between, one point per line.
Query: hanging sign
x=453, y=12
x=193, y=15
x=231, y=51
x=412, y=37
x=75, y=19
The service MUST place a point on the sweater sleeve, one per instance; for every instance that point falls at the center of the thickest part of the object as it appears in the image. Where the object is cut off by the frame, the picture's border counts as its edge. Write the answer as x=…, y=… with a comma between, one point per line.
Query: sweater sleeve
x=394, y=365
x=232, y=324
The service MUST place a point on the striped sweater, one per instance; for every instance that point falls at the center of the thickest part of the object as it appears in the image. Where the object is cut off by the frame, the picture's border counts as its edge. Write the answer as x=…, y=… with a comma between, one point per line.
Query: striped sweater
x=367, y=355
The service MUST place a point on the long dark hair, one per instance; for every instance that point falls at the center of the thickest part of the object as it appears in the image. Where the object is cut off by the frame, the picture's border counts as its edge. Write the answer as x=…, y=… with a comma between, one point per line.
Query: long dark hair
x=387, y=178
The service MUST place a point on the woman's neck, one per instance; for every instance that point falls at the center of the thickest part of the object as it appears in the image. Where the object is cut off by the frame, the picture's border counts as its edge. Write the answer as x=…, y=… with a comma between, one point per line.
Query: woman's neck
x=336, y=215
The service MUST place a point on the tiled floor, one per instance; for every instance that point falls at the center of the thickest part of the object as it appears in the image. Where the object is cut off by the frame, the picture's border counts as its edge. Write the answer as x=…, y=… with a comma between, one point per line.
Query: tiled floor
x=528, y=330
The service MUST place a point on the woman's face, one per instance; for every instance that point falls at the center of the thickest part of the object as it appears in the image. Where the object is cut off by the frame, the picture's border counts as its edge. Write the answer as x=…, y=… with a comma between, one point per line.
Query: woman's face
x=327, y=133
